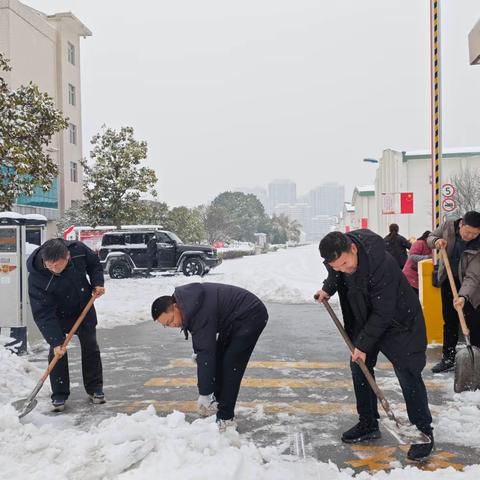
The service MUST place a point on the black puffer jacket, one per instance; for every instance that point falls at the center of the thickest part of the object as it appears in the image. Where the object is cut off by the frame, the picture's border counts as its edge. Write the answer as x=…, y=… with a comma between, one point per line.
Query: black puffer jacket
x=211, y=308
x=380, y=308
x=397, y=247
x=57, y=300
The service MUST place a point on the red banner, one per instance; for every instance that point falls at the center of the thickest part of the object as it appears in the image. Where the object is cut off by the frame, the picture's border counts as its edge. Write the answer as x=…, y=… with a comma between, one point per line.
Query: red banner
x=406, y=202
x=364, y=223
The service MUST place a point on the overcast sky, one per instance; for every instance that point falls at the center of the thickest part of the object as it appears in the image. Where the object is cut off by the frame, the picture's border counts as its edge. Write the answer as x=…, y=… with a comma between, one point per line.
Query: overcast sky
x=238, y=93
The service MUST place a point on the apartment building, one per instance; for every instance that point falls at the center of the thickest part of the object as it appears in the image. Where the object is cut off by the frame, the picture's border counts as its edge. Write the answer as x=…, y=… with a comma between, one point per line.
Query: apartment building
x=45, y=49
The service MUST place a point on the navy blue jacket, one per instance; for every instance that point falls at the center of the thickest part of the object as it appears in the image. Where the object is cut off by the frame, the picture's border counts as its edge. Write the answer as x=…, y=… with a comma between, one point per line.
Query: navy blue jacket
x=380, y=308
x=209, y=309
x=57, y=300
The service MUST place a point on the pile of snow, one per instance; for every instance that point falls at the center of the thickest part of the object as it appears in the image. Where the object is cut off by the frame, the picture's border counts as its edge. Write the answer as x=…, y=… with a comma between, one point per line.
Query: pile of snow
x=237, y=247
x=289, y=276
x=145, y=446
x=460, y=422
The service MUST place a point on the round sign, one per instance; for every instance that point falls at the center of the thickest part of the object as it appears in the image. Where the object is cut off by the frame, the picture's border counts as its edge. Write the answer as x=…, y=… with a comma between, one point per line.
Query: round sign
x=449, y=205
x=448, y=190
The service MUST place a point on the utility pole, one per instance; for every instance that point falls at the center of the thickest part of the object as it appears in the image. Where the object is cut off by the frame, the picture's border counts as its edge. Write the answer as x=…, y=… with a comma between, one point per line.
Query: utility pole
x=436, y=112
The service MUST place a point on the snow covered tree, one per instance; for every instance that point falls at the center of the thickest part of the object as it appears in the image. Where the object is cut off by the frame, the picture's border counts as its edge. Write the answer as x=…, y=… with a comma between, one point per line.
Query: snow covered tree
x=115, y=181
x=467, y=184
x=237, y=216
x=281, y=229
x=75, y=215
x=28, y=119
x=153, y=213
x=187, y=224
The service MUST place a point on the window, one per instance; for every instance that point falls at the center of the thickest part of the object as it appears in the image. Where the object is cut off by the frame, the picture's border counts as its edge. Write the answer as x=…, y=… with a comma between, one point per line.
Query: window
x=73, y=172
x=8, y=240
x=163, y=238
x=71, y=52
x=71, y=94
x=73, y=133
x=48, y=199
x=135, y=238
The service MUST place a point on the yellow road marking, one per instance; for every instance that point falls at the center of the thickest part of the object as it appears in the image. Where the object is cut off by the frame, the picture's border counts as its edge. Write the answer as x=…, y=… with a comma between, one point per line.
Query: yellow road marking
x=280, y=365
x=255, y=382
x=318, y=408
x=373, y=458
x=380, y=458
x=267, y=407
x=439, y=459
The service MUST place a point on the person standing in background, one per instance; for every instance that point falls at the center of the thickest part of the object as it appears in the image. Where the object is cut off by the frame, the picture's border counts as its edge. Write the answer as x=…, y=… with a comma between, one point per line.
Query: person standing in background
x=419, y=251
x=396, y=245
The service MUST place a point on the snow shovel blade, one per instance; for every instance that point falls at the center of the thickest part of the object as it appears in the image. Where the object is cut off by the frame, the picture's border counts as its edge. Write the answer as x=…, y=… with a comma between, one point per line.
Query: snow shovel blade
x=467, y=369
x=24, y=406
x=404, y=432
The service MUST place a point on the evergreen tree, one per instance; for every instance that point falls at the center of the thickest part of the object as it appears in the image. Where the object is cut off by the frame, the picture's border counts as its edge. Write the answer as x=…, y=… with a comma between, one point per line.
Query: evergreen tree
x=115, y=181
x=187, y=224
x=238, y=216
x=75, y=215
x=153, y=213
x=28, y=119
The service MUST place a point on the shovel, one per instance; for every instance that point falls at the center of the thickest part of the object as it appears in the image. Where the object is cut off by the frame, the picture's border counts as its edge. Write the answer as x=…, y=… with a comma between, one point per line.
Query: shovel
x=467, y=360
x=402, y=431
x=26, y=405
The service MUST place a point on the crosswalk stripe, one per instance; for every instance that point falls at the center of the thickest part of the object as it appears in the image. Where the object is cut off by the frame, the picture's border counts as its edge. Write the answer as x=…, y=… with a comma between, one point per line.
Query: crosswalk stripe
x=267, y=407
x=254, y=382
x=279, y=365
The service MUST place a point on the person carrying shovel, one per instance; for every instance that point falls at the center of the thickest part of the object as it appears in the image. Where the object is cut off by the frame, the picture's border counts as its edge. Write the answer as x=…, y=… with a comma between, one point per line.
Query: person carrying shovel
x=381, y=314
x=460, y=239
x=59, y=289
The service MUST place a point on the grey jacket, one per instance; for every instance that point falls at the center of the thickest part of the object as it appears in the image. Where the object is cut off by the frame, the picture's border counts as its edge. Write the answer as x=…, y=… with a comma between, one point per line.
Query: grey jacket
x=447, y=232
x=469, y=275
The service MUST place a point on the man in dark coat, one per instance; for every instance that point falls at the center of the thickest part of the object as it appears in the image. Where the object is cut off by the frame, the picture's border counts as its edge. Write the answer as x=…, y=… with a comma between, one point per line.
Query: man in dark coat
x=225, y=323
x=381, y=314
x=59, y=290
x=152, y=249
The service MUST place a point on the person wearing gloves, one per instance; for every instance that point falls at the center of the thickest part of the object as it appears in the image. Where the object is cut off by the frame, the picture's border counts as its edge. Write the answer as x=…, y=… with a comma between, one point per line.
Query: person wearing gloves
x=59, y=290
x=460, y=238
x=381, y=313
x=225, y=323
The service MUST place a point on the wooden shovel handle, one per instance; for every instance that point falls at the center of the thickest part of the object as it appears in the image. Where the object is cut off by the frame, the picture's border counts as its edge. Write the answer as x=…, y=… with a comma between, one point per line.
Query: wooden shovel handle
x=366, y=372
x=446, y=262
x=71, y=333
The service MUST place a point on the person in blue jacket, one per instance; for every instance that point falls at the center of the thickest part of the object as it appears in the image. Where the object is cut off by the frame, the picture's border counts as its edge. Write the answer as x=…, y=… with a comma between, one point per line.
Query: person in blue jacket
x=59, y=290
x=225, y=323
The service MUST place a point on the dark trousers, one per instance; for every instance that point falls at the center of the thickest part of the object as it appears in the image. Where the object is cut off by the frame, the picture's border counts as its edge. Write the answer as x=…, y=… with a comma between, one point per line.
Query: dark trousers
x=91, y=367
x=232, y=358
x=451, y=323
x=411, y=382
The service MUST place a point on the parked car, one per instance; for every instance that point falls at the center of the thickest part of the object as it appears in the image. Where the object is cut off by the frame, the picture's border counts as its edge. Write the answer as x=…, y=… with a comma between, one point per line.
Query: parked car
x=124, y=253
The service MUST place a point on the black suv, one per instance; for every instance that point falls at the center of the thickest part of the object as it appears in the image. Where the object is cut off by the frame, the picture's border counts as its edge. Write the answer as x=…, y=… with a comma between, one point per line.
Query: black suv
x=124, y=253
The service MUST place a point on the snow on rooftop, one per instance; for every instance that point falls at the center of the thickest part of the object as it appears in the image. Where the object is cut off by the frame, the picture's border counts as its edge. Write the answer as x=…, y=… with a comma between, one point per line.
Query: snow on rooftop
x=365, y=188
x=446, y=151
x=14, y=215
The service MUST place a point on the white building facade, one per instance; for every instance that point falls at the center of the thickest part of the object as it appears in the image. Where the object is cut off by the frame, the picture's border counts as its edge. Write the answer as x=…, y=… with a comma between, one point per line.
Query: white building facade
x=402, y=193
x=45, y=49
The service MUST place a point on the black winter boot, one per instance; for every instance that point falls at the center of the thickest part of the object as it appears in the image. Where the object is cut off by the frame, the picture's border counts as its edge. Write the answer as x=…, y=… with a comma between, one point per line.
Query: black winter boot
x=421, y=451
x=364, y=430
x=444, y=365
